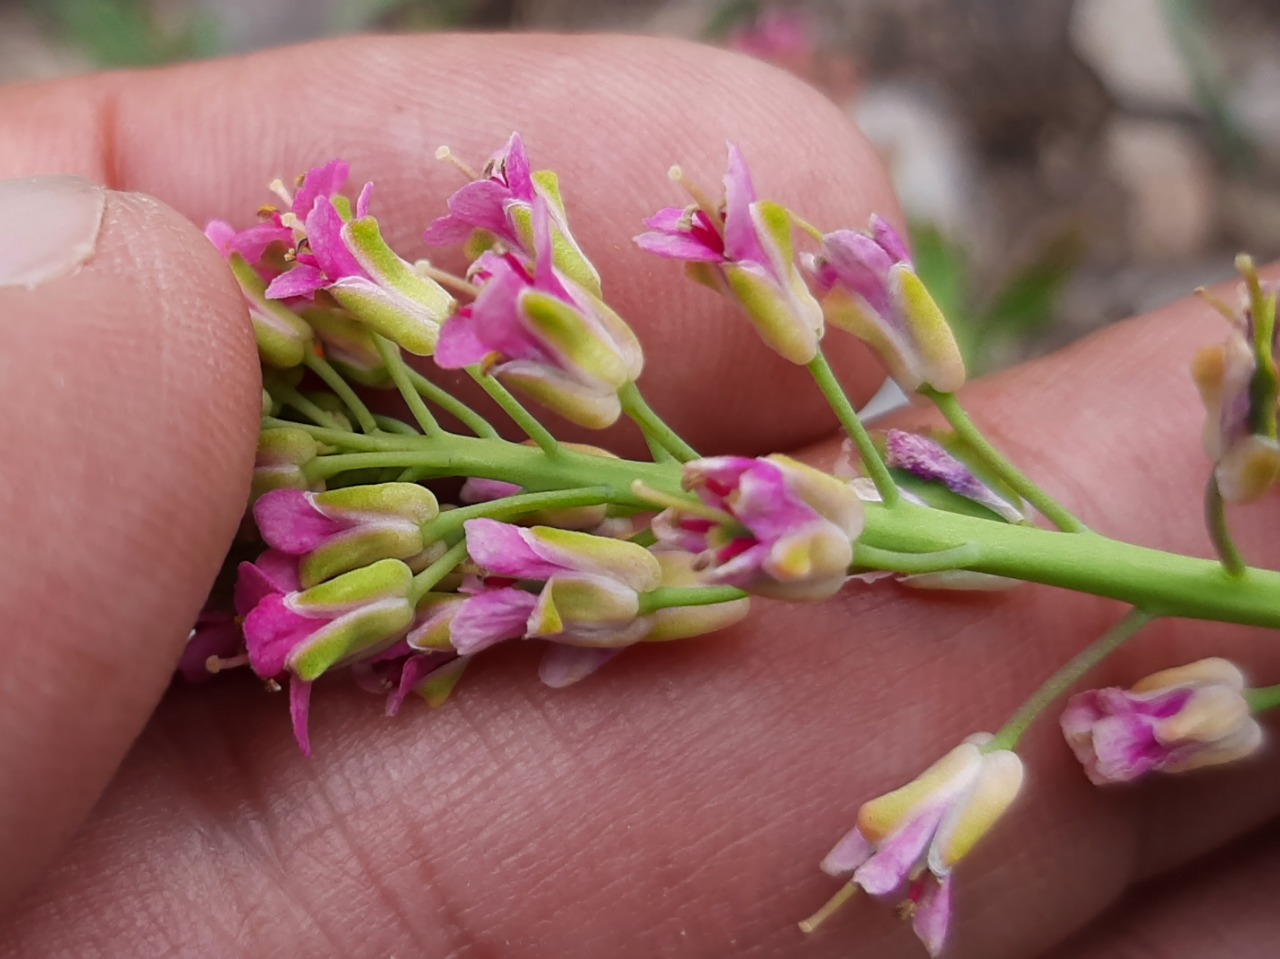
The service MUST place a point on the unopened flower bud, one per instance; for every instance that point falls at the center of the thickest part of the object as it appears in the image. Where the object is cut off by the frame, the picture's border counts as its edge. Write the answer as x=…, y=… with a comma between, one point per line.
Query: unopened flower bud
x=283, y=337
x=1173, y=721
x=746, y=252
x=340, y=530
x=283, y=454
x=771, y=526
x=910, y=839
x=870, y=289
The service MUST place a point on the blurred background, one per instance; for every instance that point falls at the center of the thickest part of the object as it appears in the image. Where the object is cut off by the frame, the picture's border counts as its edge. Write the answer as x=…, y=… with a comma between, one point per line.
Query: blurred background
x=1064, y=163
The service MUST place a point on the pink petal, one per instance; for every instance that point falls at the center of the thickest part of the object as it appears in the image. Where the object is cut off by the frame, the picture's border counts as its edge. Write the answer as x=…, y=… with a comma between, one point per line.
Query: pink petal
x=302, y=280
x=741, y=243
x=565, y=665
x=516, y=169
x=491, y=617
x=889, y=240
x=933, y=915
x=254, y=242
x=679, y=246
x=476, y=490
x=503, y=550
x=220, y=234
x=322, y=181
x=363, y=201
x=847, y=855
x=460, y=345
x=416, y=670
x=324, y=236
x=897, y=857
x=290, y=523
x=272, y=572
x=299, y=711
x=272, y=631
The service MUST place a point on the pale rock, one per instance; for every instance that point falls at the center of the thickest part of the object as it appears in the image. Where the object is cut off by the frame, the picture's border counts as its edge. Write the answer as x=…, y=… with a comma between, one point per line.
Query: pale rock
x=1129, y=44
x=1168, y=177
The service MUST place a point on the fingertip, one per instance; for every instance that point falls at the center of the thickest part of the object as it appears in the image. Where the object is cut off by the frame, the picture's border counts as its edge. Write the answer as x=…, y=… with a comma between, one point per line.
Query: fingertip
x=131, y=381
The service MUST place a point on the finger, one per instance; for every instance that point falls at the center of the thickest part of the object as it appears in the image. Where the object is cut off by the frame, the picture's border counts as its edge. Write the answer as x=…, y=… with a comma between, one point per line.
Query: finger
x=1223, y=907
x=131, y=417
x=609, y=114
x=677, y=804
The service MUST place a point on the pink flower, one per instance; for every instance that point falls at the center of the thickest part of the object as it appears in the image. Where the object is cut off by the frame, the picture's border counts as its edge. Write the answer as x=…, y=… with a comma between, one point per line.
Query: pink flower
x=746, y=253
x=302, y=634
x=870, y=288
x=281, y=230
x=500, y=203
x=545, y=335
x=776, y=35
x=772, y=526
x=907, y=842
x=341, y=530
x=579, y=589
x=1174, y=721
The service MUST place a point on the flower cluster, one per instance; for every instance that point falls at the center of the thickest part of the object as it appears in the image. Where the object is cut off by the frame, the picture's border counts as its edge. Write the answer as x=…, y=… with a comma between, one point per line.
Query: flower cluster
x=394, y=536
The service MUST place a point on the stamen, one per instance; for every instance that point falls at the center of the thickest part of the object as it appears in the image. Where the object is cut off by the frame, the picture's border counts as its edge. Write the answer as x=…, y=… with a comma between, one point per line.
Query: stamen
x=279, y=189
x=1219, y=305
x=216, y=664
x=445, y=278
x=444, y=153
x=272, y=686
x=829, y=909
x=699, y=197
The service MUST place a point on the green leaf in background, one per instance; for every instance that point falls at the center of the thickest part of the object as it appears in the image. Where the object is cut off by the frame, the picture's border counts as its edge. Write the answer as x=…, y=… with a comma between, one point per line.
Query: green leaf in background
x=127, y=33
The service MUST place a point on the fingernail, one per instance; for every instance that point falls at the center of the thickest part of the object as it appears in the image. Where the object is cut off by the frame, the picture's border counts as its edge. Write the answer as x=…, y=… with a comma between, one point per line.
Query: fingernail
x=48, y=226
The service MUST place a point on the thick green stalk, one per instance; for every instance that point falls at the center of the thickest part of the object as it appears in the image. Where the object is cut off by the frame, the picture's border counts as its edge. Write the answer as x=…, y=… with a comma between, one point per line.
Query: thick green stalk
x=450, y=522
x=1166, y=584
x=1061, y=681
x=825, y=377
x=1022, y=484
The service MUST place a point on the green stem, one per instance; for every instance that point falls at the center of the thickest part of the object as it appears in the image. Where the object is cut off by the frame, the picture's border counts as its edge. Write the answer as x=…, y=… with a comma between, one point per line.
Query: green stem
x=967, y=431
x=1215, y=517
x=1066, y=677
x=337, y=382
x=389, y=424
x=335, y=437
x=449, y=523
x=393, y=359
x=291, y=397
x=672, y=596
x=911, y=563
x=825, y=377
x=1263, y=699
x=430, y=577
x=451, y=405
x=653, y=426
x=514, y=409
x=1166, y=584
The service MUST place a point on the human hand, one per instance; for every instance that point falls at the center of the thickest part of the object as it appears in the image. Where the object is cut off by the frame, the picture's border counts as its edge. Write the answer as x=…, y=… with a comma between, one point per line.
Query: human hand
x=675, y=805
